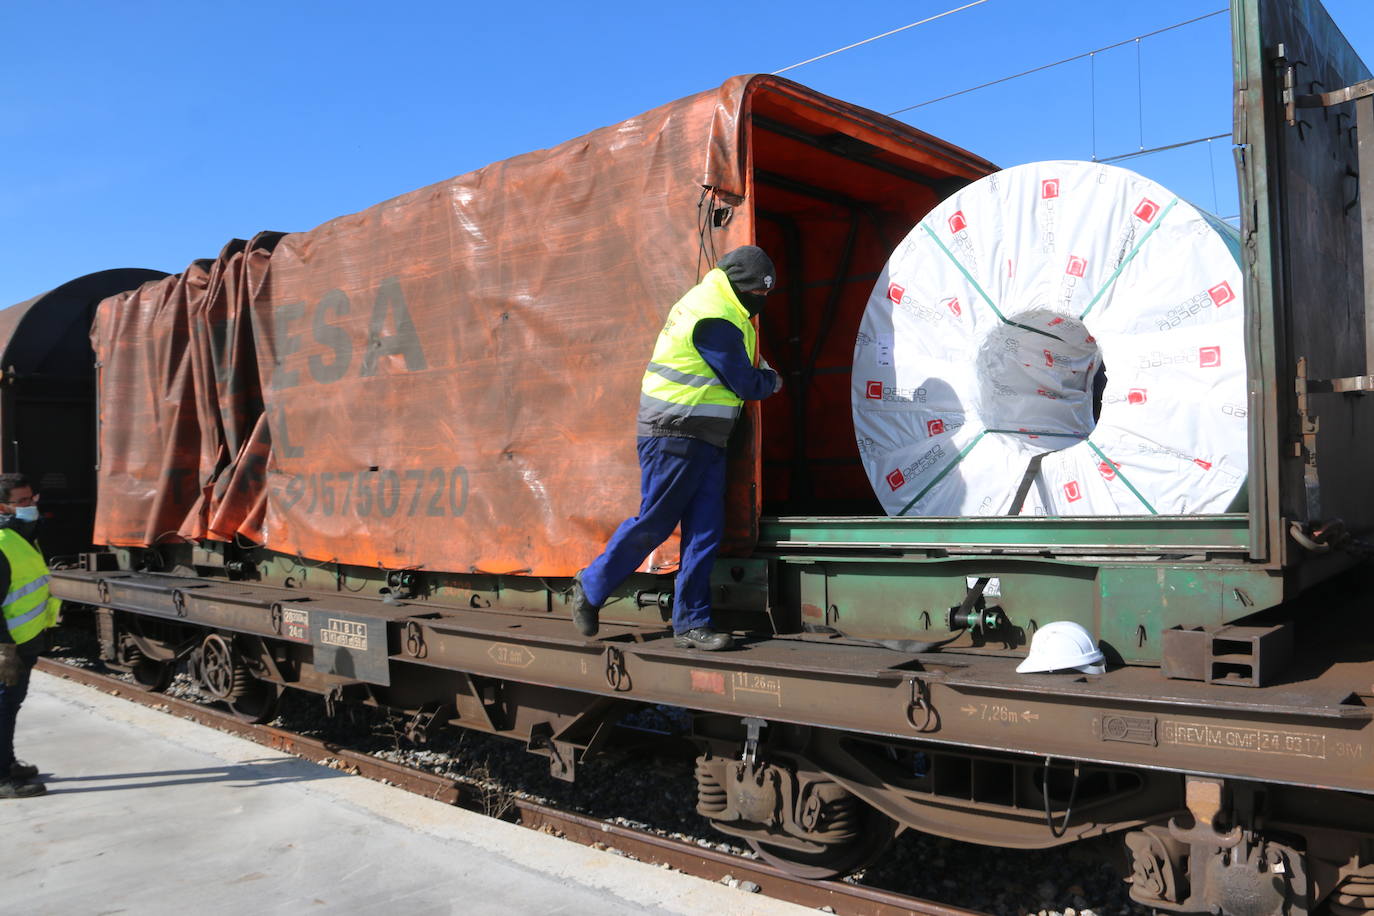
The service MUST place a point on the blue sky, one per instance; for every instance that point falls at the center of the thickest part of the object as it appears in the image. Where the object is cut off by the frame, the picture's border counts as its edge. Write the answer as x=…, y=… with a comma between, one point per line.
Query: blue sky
x=146, y=134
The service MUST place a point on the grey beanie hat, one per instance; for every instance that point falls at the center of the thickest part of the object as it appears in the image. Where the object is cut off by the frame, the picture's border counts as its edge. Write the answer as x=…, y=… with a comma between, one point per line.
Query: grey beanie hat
x=748, y=268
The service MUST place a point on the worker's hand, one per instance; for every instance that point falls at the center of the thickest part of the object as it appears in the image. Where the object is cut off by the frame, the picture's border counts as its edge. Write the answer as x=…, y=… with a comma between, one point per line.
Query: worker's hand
x=777, y=376
x=11, y=668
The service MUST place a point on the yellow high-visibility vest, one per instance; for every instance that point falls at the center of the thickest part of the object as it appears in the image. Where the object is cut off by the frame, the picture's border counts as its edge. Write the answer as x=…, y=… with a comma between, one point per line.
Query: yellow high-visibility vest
x=680, y=393
x=29, y=608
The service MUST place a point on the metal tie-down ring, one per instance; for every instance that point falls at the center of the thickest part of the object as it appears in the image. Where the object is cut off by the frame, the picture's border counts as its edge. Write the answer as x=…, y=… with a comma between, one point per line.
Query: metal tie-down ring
x=276, y=618
x=920, y=700
x=617, y=678
x=415, y=640
x=179, y=602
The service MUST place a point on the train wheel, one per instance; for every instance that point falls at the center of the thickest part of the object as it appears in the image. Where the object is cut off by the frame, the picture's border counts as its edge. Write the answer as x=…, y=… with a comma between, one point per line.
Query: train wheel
x=840, y=859
x=257, y=704
x=152, y=676
x=225, y=677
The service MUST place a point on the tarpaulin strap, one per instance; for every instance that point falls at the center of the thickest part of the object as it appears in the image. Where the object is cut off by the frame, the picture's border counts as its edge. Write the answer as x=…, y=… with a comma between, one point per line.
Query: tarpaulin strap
x=1032, y=469
x=972, y=596
x=706, y=244
x=986, y=298
x=1126, y=260
x=1117, y=468
x=941, y=476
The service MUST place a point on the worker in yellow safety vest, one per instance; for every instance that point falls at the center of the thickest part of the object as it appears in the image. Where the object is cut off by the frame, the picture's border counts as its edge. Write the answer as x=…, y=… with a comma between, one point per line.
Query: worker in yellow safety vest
x=29, y=609
x=702, y=371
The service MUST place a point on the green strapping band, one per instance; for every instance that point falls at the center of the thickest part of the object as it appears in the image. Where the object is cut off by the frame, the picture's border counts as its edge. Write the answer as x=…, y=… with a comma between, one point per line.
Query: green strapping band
x=1143, y=501
x=1122, y=266
x=941, y=476
x=968, y=448
x=992, y=305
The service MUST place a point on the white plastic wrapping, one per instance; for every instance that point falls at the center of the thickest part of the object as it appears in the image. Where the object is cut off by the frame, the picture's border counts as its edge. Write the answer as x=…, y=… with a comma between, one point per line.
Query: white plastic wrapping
x=983, y=336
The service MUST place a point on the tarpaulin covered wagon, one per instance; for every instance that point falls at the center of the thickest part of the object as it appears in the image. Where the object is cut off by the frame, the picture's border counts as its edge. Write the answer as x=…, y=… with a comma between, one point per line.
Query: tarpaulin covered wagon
x=448, y=380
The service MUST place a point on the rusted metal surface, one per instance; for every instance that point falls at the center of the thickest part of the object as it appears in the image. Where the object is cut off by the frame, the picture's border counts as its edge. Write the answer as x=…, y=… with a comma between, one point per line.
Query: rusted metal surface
x=713, y=865
x=708, y=864
x=1313, y=729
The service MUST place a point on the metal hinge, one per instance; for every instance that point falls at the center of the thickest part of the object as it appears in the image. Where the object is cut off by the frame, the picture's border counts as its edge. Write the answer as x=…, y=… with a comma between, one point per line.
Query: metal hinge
x=1323, y=99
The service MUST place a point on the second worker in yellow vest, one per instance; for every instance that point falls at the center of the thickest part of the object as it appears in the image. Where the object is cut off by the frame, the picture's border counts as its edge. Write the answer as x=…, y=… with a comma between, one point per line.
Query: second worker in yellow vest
x=28, y=610
x=702, y=370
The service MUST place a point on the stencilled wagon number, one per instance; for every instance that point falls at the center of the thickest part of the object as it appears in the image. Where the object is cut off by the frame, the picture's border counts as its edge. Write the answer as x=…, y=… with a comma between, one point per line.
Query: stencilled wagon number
x=432, y=492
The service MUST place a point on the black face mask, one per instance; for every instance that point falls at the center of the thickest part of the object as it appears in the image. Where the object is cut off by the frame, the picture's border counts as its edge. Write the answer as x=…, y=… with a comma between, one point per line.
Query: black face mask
x=24, y=529
x=753, y=302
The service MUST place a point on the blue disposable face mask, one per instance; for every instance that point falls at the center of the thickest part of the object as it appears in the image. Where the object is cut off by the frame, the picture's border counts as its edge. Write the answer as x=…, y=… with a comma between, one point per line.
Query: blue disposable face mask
x=26, y=513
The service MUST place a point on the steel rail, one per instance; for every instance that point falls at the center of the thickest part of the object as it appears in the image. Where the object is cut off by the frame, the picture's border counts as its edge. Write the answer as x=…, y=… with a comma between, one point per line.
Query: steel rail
x=708, y=864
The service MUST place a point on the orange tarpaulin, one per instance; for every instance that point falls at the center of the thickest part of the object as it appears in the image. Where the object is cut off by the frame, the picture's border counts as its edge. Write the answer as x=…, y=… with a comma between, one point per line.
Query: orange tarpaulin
x=449, y=379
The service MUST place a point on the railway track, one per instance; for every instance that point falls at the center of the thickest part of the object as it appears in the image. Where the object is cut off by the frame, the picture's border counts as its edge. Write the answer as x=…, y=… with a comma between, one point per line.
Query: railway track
x=840, y=897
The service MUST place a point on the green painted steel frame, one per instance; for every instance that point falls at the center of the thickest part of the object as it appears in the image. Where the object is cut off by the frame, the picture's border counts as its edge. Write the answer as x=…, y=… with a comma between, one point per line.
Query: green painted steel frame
x=1126, y=605
x=1128, y=578
x=1130, y=535
x=1125, y=579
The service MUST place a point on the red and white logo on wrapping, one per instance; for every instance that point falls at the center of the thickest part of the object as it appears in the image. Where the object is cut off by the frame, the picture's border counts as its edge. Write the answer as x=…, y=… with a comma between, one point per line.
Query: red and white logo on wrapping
x=1049, y=359
x=1221, y=294
x=935, y=427
x=957, y=223
x=1072, y=492
x=1107, y=469
x=1049, y=189
x=874, y=391
x=1209, y=357
x=1135, y=396
x=1146, y=210
x=955, y=308
x=1077, y=266
x=1205, y=465
x=895, y=292
x=896, y=480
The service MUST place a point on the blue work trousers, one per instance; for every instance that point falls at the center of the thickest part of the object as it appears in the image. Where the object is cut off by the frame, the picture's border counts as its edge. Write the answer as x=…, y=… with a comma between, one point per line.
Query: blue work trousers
x=681, y=481
x=11, y=698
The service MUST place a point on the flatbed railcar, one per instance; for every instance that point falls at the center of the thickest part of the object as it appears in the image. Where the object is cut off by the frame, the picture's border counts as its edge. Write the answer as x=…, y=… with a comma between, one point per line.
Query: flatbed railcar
x=257, y=533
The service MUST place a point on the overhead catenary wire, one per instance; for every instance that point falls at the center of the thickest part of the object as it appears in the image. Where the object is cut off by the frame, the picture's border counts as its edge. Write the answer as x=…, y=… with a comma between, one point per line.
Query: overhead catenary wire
x=1160, y=149
x=910, y=25
x=1057, y=63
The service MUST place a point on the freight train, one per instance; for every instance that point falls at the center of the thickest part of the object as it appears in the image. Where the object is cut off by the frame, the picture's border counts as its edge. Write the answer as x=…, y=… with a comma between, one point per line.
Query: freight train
x=364, y=461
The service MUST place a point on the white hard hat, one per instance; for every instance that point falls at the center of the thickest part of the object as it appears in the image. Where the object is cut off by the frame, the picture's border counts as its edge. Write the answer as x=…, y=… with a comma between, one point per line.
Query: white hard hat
x=1062, y=645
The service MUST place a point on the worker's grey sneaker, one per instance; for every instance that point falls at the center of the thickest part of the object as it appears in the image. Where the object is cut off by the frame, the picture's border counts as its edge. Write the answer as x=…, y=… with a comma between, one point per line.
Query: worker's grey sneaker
x=585, y=613
x=13, y=788
x=703, y=638
x=22, y=771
